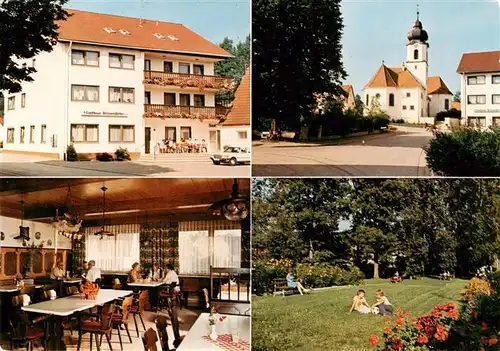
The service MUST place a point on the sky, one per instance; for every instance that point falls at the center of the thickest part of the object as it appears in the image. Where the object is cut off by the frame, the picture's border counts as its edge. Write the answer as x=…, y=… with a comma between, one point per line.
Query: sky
x=377, y=30
x=213, y=20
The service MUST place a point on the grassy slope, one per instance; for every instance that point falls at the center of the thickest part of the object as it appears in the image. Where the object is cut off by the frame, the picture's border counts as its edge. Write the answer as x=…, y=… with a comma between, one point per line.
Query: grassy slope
x=320, y=320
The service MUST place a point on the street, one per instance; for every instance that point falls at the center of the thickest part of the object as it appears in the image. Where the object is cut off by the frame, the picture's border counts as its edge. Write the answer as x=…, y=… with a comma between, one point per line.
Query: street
x=398, y=153
x=165, y=166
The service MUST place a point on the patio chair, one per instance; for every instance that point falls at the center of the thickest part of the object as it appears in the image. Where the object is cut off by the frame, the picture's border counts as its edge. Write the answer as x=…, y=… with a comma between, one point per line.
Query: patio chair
x=120, y=317
x=138, y=308
x=234, y=302
x=98, y=328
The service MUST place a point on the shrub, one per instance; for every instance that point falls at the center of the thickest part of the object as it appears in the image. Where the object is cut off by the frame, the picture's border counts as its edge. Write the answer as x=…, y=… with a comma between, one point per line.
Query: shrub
x=264, y=271
x=104, y=157
x=122, y=154
x=427, y=332
x=399, y=120
x=319, y=274
x=71, y=154
x=465, y=153
x=477, y=286
x=352, y=276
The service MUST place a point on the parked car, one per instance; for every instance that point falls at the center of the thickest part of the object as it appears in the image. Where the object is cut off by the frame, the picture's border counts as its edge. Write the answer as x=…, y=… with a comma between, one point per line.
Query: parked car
x=233, y=155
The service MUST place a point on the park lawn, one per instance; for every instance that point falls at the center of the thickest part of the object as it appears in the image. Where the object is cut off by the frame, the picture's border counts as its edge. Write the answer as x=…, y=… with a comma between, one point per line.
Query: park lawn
x=320, y=320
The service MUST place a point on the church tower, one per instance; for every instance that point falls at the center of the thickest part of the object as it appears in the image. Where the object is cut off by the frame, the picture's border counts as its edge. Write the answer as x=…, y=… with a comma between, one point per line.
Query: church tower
x=417, y=52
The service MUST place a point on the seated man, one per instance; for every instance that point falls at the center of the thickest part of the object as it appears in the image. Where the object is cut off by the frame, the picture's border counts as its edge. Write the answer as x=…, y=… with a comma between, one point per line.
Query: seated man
x=290, y=279
x=172, y=277
x=57, y=271
x=93, y=273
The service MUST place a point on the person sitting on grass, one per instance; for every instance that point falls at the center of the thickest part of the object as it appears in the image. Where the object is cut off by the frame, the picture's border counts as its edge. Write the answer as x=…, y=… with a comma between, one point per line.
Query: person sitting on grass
x=384, y=306
x=290, y=279
x=359, y=303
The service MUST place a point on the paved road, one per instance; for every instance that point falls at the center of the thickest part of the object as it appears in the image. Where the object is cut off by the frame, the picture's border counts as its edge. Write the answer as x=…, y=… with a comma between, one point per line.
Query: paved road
x=174, y=167
x=396, y=153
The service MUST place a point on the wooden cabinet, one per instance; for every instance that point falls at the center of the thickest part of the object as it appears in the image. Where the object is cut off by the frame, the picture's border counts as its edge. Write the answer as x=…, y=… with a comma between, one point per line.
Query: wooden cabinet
x=14, y=259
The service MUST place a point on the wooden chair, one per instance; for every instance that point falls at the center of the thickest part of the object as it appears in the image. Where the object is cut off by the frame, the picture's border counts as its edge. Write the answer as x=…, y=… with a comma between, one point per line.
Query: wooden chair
x=23, y=330
x=121, y=317
x=138, y=308
x=72, y=290
x=149, y=340
x=235, y=302
x=98, y=328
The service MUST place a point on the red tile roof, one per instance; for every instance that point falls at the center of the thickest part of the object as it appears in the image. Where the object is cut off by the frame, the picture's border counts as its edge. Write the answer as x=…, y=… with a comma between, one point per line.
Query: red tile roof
x=240, y=112
x=394, y=77
x=89, y=27
x=435, y=85
x=455, y=105
x=478, y=62
x=348, y=89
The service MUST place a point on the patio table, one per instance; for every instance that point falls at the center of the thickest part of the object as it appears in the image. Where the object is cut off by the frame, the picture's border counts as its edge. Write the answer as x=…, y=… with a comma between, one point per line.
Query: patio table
x=150, y=285
x=66, y=306
x=197, y=337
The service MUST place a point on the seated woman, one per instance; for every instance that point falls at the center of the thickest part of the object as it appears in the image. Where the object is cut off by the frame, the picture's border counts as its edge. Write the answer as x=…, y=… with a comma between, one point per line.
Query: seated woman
x=384, y=306
x=290, y=279
x=359, y=303
x=155, y=273
x=134, y=275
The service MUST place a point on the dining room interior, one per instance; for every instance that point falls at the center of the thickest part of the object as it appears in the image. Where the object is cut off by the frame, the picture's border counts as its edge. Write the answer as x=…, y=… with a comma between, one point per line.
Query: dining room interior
x=125, y=264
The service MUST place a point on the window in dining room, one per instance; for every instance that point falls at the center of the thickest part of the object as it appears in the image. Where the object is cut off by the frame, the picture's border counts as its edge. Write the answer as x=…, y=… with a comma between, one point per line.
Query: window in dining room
x=112, y=253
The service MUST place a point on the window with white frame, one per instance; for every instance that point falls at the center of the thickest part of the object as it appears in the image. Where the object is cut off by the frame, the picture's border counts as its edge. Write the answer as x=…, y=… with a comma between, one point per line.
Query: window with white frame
x=404, y=107
x=23, y=100
x=496, y=122
x=119, y=133
x=85, y=58
x=242, y=134
x=476, y=80
x=408, y=94
x=21, y=135
x=85, y=93
x=495, y=99
x=32, y=134
x=84, y=133
x=121, y=61
x=412, y=107
x=195, y=249
x=479, y=122
x=113, y=253
x=11, y=103
x=184, y=68
x=117, y=94
x=476, y=99
x=495, y=79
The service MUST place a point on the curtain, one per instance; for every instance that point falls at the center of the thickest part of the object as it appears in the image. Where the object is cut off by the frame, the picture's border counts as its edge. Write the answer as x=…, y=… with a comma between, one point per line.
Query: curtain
x=159, y=243
x=128, y=61
x=10, y=135
x=77, y=132
x=194, y=254
x=114, y=61
x=128, y=95
x=92, y=93
x=227, y=248
x=128, y=133
x=183, y=68
x=77, y=58
x=92, y=133
x=78, y=92
x=113, y=253
x=115, y=95
x=115, y=133
x=92, y=58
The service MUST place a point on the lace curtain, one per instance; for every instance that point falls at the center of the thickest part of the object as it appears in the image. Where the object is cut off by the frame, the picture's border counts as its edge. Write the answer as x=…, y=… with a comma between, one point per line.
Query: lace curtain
x=115, y=253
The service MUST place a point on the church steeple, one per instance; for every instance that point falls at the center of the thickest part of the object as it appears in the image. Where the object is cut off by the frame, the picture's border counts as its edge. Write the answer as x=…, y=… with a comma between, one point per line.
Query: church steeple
x=417, y=34
x=417, y=51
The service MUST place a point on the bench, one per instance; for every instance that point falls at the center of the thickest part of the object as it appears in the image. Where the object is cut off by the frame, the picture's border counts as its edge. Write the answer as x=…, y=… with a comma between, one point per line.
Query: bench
x=281, y=287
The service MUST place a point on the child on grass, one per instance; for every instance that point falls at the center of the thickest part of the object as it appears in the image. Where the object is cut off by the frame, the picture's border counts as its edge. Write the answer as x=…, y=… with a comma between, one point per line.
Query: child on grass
x=384, y=306
x=359, y=303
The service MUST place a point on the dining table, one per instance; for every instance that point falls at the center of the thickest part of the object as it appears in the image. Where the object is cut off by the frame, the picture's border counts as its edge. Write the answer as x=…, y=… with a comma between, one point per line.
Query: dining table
x=151, y=286
x=198, y=337
x=66, y=306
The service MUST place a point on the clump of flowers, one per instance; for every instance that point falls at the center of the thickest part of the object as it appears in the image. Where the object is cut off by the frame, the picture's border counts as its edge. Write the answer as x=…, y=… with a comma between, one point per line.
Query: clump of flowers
x=417, y=333
x=477, y=286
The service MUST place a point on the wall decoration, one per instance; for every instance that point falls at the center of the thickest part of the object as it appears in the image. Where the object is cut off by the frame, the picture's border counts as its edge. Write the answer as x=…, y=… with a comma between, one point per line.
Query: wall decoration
x=49, y=242
x=159, y=243
x=38, y=235
x=2, y=236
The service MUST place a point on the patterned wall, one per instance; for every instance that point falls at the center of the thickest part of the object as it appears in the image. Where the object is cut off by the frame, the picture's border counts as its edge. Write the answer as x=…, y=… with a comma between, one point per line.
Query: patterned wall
x=159, y=243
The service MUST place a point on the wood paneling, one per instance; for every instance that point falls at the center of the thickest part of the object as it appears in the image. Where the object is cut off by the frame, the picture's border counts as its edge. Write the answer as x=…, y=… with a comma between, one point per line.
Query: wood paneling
x=10, y=263
x=41, y=263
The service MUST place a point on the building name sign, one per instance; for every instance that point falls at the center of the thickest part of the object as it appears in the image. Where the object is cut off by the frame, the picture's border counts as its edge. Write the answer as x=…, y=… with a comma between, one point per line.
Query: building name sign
x=103, y=114
x=489, y=110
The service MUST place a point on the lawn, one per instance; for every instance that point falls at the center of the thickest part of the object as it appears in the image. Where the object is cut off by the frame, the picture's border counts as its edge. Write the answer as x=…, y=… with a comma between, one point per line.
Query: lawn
x=320, y=320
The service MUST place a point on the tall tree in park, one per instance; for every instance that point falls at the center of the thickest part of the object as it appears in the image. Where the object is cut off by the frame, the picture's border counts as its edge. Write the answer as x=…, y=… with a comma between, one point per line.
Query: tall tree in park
x=296, y=53
x=359, y=105
x=27, y=27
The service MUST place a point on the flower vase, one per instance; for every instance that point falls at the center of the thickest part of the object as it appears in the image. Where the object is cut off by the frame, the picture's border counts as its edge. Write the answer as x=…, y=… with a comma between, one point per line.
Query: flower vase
x=213, y=334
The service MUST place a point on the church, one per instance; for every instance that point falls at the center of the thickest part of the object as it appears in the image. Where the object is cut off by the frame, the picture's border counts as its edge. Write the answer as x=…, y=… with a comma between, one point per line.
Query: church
x=407, y=92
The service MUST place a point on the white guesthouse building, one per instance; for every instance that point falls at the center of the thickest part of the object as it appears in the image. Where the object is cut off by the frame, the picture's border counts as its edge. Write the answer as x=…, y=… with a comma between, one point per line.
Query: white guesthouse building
x=480, y=89
x=407, y=92
x=115, y=81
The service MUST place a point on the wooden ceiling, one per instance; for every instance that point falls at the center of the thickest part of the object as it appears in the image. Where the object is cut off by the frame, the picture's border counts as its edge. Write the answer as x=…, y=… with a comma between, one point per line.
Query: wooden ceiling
x=127, y=200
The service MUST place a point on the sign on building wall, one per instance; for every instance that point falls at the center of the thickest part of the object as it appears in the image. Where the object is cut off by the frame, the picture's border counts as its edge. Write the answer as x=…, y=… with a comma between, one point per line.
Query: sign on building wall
x=103, y=114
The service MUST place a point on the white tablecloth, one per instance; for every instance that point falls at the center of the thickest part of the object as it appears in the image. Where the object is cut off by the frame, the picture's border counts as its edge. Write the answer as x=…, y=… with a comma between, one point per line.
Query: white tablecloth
x=194, y=339
x=147, y=285
x=66, y=306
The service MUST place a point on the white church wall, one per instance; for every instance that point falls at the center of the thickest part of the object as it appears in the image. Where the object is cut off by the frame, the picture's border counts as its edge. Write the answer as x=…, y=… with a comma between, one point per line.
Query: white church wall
x=437, y=103
x=410, y=104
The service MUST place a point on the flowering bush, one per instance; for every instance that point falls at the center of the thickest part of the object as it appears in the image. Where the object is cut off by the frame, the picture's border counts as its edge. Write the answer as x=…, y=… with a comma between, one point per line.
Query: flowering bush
x=264, y=271
x=426, y=332
x=477, y=286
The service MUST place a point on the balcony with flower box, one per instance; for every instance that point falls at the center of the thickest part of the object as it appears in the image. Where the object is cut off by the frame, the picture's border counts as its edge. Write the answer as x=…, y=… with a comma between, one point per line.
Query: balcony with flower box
x=192, y=112
x=185, y=80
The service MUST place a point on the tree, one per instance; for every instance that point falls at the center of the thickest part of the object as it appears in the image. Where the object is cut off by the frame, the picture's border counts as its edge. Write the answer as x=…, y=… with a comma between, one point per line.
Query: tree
x=297, y=52
x=27, y=28
x=457, y=96
x=359, y=105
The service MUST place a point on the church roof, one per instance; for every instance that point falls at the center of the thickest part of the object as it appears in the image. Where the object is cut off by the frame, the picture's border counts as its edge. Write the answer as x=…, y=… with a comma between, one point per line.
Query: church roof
x=395, y=77
x=435, y=85
x=455, y=105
